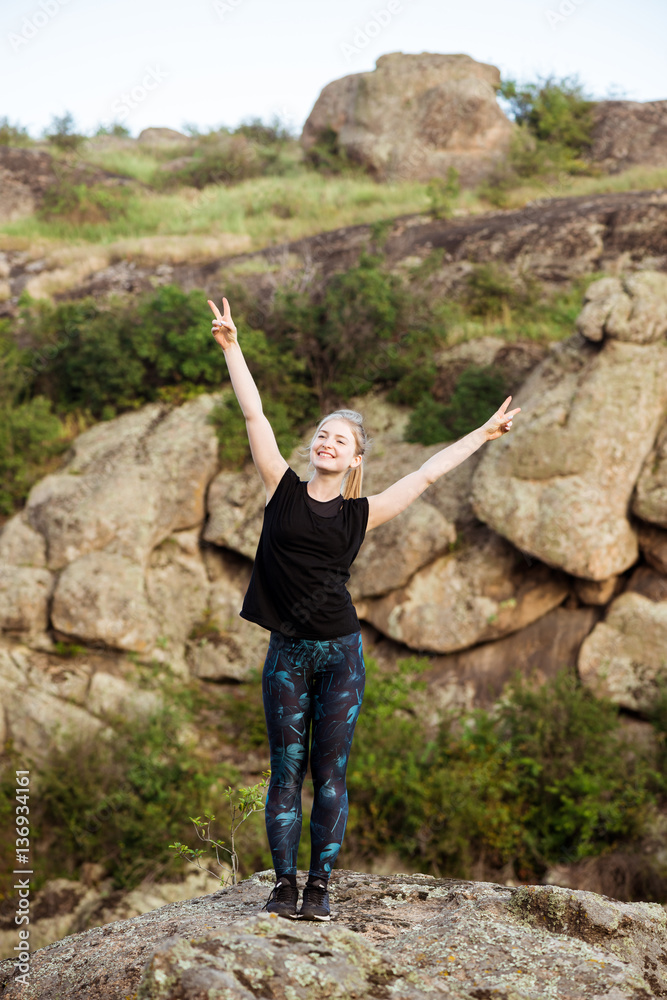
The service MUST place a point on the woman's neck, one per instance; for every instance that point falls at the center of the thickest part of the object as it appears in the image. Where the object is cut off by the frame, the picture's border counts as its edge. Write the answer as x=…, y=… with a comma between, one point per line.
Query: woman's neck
x=324, y=488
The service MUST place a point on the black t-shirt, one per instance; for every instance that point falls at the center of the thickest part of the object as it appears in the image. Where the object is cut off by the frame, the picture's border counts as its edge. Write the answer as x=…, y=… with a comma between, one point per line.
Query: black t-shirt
x=303, y=562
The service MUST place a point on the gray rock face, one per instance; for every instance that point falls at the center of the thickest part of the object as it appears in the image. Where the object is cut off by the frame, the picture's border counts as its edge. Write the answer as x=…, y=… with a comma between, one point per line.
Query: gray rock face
x=650, y=499
x=409, y=936
x=624, y=656
x=626, y=133
x=415, y=116
x=633, y=309
x=560, y=484
x=130, y=483
x=479, y=592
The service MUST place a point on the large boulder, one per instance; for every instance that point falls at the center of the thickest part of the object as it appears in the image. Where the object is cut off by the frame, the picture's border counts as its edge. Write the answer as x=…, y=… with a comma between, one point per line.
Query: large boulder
x=633, y=308
x=624, y=656
x=404, y=936
x=650, y=498
x=559, y=485
x=480, y=591
x=101, y=598
x=129, y=484
x=476, y=677
x=415, y=116
x=626, y=133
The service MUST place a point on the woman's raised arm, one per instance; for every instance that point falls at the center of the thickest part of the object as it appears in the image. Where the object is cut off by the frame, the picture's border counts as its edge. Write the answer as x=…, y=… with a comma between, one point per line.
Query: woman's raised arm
x=383, y=506
x=265, y=452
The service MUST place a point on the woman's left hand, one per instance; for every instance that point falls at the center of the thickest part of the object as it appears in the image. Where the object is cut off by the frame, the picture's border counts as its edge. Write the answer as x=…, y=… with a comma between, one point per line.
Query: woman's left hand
x=501, y=421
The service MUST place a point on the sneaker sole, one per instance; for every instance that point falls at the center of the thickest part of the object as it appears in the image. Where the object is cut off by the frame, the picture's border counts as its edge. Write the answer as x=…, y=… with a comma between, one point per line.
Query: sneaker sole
x=312, y=916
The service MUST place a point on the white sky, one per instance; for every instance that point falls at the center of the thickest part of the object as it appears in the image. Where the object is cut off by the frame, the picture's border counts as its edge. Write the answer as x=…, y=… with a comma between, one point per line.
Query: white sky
x=218, y=62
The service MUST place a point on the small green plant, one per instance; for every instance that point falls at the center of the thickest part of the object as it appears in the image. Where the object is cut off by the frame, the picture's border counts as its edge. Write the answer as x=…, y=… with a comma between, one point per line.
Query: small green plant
x=62, y=133
x=243, y=802
x=68, y=649
x=13, y=135
x=442, y=192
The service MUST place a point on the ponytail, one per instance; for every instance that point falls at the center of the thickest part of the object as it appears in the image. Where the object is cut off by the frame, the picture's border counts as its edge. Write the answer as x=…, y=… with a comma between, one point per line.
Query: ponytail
x=353, y=480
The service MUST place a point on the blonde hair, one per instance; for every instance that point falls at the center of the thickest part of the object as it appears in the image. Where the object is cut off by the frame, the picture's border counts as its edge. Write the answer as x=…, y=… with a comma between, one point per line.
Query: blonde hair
x=354, y=477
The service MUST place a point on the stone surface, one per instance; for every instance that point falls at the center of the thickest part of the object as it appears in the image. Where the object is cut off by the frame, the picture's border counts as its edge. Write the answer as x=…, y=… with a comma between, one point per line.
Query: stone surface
x=650, y=498
x=129, y=484
x=65, y=906
x=21, y=545
x=395, y=550
x=39, y=713
x=559, y=486
x=223, y=645
x=101, y=598
x=415, y=116
x=235, y=504
x=597, y=592
x=653, y=544
x=24, y=598
x=633, y=308
x=476, y=677
x=480, y=591
x=626, y=133
x=624, y=657
x=409, y=936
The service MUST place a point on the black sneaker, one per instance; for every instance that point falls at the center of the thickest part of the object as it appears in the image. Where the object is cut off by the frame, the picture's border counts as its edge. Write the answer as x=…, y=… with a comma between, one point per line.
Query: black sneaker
x=315, y=904
x=283, y=900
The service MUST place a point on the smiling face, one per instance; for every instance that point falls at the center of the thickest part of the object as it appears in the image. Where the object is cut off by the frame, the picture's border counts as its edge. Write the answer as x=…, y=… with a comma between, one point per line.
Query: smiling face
x=334, y=447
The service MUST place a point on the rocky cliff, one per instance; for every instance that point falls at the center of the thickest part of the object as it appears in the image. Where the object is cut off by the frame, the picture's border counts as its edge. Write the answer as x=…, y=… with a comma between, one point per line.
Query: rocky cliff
x=406, y=936
x=139, y=538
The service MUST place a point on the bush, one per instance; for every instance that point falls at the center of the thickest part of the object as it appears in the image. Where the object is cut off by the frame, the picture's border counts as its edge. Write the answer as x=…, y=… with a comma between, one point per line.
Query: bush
x=555, y=111
x=546, y=778
x=328, y=157
x=81, y=204
x=363, y=329
x=63, y=134
x=490, y=288
x=13, y=135
x=30, y=434
x=119, y=801
x=478, y=393
x=442, y=193
x=118, y=356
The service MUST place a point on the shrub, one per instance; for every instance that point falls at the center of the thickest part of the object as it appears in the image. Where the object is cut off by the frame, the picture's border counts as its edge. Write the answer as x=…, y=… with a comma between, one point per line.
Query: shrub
x=122, y=801
x=30, y=435
x=545, y=778
x=330, y=158
x=117, y=356
x=490, y=287
x=442, y=192
x=13, y=135
x=363, y=329
x=478, y=393
x=554, y=111
x=63, y=134
x=80, y=204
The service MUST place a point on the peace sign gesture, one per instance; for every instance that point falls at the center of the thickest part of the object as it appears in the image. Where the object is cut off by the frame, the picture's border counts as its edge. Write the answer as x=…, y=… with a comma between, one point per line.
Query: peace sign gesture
x=222, y=327
x=500, y=422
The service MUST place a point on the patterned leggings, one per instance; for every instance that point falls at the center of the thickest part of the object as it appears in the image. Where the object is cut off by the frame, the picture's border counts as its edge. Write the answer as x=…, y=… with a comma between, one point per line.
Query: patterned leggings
x=304, y=680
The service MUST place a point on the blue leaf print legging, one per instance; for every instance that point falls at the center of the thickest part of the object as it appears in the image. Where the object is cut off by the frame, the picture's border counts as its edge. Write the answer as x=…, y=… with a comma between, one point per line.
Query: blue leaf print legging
x=319, y=682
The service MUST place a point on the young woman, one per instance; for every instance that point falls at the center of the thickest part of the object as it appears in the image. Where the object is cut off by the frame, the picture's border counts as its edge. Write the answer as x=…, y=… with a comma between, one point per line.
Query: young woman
x=313, y=675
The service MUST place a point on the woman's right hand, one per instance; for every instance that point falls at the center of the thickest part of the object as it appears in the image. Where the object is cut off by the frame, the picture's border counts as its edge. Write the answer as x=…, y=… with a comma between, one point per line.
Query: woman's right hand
x=222, y=327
